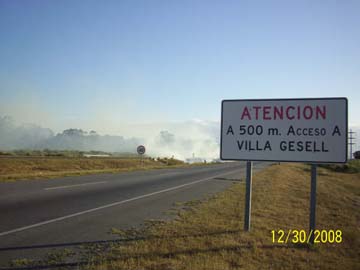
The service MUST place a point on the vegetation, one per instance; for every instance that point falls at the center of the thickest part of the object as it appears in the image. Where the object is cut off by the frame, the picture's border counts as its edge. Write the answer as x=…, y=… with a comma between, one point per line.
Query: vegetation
x=353, y=166
x=209, y=235
x=48, y=167
x=170, y=161
x=30, y=164
x=54, y=153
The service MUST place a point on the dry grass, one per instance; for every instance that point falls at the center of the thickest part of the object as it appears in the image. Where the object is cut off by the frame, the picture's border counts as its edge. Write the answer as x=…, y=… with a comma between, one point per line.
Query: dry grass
x=209, y=235
x=13, y=168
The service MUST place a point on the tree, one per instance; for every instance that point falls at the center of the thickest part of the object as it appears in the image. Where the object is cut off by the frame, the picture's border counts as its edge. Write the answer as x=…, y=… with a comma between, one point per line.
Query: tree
x=74, y=132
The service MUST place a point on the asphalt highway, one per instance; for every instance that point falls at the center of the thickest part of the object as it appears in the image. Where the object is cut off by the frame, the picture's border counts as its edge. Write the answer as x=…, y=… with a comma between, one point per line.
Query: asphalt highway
x=38, y=216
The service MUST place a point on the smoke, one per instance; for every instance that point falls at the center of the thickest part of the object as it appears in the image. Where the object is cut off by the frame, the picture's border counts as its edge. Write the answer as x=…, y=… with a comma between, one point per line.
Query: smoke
x=165, y=138
x=27, y=136
x=30, y=136
x=183, y=140
x=77, y=139
x=180, y=140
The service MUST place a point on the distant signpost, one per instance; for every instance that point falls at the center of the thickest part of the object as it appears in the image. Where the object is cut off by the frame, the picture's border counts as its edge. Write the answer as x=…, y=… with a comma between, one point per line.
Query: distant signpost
x=140, y=149
x=311, y=130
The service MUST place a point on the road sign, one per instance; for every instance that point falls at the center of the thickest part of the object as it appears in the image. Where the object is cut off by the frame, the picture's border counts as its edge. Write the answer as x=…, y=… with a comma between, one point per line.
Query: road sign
x=298, y=130
x=140, y=149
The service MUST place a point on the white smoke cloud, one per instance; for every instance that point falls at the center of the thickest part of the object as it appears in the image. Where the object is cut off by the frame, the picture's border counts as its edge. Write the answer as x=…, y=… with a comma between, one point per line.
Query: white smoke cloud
x=180, y=140
x=199, y=138
x=185, y=139
x=26, y=136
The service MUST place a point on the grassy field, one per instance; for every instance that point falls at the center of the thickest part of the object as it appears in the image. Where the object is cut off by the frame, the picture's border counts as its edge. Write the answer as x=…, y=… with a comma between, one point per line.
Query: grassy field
x=31, y=167
x=209, y=234
x=351, y=167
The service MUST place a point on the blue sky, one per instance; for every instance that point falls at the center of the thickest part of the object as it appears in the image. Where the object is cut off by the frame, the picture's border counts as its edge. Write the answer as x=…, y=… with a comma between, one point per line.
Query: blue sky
x=106, y=65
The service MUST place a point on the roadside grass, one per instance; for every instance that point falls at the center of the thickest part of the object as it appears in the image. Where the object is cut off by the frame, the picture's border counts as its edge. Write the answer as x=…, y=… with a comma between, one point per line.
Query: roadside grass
x=22, y=168
x=209, y=234
x=353, y=166
x=46, y=167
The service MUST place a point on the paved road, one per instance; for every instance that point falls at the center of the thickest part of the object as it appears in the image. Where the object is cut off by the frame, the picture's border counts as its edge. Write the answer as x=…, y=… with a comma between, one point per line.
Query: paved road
x=39, y=215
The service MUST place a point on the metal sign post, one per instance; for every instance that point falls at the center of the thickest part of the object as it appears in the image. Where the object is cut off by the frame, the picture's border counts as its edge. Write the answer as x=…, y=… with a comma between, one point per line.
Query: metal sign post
x=248, y=196
x=313, y=202
x=141, y=151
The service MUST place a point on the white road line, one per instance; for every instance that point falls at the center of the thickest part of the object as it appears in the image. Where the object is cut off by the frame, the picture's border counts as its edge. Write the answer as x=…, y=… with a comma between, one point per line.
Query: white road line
x=110, y=205
x=77, y=185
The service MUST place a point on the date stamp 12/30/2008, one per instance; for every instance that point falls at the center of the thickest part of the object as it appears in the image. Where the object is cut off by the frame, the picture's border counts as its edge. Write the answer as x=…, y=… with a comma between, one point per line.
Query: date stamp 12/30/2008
x=302, y=236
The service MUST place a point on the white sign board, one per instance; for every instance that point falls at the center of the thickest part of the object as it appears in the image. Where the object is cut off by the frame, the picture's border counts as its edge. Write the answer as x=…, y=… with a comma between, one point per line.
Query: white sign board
x=298, y=130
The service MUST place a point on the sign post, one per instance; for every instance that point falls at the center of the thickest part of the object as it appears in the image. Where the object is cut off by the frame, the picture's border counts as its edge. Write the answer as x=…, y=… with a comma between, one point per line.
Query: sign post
x=248, y=196
x=313, y=202
x=141, y=151
x=312, y=130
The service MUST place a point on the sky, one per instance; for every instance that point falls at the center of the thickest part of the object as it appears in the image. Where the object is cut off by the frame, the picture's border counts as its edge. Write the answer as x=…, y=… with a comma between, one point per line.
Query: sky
x=127, y=67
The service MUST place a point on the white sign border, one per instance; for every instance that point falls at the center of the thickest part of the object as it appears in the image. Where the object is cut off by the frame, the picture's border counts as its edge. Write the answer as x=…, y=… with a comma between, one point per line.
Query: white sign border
x=287, y=99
